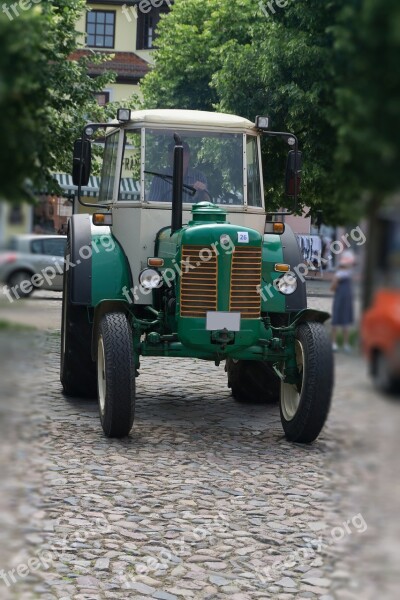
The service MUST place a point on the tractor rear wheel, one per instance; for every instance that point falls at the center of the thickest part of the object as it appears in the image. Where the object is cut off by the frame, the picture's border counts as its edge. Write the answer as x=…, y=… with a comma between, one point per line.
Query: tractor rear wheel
x=304, y=407
x=252, y=381
x=78, y=371
x=116, y=375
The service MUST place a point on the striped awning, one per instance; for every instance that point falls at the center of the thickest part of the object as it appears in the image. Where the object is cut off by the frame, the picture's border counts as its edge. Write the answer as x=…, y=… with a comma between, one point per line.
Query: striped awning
x=65, y=182
x=130, y=189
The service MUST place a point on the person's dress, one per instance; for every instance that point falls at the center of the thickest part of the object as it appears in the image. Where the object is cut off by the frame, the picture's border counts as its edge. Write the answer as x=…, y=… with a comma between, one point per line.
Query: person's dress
x=343, y=313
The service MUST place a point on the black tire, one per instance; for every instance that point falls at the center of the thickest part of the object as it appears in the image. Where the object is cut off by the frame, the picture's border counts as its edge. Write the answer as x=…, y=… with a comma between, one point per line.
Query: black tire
x=252, y=381
x=16, y=278
x=304, y=418
x=116, y=375
x=383, y=377
x=78, y=370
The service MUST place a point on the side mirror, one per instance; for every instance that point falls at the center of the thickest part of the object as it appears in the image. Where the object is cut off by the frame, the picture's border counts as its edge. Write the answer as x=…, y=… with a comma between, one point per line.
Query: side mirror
x=293, y=173
x=82, y=162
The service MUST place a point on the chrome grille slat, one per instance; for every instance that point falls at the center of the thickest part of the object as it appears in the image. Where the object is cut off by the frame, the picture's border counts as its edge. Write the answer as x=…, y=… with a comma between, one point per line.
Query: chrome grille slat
x=245, y=279
x=198, y=285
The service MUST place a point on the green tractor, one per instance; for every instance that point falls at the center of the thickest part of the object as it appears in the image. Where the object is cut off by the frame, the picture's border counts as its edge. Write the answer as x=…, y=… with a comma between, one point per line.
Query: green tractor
x=181, y=260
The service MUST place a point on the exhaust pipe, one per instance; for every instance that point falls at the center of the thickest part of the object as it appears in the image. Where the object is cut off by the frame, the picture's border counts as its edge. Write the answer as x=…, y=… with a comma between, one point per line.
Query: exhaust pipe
x=177, y=186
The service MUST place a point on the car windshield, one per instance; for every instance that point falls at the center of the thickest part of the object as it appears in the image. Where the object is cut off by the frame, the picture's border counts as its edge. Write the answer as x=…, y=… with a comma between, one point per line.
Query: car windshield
x=213, y=167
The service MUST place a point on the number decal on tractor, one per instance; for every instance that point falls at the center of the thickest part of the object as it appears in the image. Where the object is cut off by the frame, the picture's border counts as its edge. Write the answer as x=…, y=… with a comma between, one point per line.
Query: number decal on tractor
x=243, y=237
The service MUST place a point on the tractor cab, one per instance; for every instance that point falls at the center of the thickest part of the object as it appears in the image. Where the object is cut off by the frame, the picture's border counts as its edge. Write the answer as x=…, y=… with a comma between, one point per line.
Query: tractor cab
x=221, y=166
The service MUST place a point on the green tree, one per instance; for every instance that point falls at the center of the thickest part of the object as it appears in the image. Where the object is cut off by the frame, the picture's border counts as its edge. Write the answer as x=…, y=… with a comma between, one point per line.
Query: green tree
x=44, y=97
x=227, y=55
x=324, y=70
x=182, y=76
x=367, y=118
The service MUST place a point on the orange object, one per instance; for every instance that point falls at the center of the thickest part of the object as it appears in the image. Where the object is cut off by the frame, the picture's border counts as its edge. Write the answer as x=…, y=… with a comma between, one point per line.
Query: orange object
x=282, y=268
x=279, y=227
x=380, y=333
x=102, y=219
x=155, y=262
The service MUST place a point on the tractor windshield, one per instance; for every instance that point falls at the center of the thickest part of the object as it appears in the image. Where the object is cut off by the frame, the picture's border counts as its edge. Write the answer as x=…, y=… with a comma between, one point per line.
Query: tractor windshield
x=213, y=166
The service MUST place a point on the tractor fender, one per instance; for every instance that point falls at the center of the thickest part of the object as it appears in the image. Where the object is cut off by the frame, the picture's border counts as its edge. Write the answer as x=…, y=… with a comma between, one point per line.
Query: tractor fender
x=281, y=248
x=293, y=257
x=310, y=314
x=80, y=259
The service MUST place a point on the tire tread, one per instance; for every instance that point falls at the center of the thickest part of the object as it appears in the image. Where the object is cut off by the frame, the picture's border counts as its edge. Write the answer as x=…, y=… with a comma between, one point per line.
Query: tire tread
x=317, y=385
x=120, y=375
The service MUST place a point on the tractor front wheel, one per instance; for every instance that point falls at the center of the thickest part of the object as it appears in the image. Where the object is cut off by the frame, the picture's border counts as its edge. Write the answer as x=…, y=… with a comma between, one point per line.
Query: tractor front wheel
x=304, y=406
x=115, y=375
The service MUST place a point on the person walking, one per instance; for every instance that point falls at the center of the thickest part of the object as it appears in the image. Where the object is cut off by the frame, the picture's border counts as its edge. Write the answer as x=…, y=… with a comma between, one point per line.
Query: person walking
x=343, y=301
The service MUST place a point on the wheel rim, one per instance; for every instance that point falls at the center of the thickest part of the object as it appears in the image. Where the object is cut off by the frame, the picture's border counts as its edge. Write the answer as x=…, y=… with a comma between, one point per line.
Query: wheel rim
x=101, y=375
x=291, y=393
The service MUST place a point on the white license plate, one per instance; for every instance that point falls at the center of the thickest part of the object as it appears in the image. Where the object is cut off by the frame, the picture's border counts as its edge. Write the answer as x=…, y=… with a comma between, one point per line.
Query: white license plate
x=223, y=320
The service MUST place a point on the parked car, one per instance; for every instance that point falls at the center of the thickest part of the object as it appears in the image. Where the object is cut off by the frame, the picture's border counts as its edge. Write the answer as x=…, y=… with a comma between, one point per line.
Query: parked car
x=381, y=340
x=30, y=255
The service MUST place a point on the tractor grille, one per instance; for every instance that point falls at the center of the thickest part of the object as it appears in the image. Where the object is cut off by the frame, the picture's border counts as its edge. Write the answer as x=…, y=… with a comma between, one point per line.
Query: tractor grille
x=245, y=282
x=199, y=285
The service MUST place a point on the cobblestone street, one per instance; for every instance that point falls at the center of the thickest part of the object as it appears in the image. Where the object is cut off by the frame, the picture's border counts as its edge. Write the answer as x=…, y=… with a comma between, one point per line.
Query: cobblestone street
x=205, y=500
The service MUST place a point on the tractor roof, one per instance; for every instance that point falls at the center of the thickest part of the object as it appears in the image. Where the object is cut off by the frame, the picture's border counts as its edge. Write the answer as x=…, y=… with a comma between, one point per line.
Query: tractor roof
x=191, y=119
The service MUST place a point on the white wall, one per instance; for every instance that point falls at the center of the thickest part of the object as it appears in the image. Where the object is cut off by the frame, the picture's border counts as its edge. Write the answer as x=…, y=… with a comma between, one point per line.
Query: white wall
x=301, y=224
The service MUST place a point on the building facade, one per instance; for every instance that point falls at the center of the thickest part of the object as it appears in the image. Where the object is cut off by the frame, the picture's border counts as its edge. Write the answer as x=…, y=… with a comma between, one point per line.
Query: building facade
x=127, y=31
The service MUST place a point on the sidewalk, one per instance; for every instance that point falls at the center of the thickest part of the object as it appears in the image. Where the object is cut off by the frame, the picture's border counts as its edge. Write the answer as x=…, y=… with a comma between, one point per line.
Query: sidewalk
x=320, y=287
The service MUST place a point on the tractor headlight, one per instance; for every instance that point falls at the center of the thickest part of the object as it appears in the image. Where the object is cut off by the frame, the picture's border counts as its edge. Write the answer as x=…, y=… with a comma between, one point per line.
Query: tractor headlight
x=150, y=279
x=286, y=285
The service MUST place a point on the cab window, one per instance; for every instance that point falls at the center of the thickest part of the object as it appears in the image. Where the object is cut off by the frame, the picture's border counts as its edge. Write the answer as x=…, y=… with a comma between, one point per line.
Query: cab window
x=108, y=169
x=253, y=173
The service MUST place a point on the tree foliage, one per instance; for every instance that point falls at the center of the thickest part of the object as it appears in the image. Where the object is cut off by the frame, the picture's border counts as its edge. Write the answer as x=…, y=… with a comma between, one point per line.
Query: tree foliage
x=44, y=97
x=367, y=38
x=324, y=70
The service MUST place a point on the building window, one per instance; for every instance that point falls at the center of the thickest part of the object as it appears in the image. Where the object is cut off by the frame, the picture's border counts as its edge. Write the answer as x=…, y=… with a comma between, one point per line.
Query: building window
x=100, y=28
x=147, y=24
x=102, y=98
x=16, y=216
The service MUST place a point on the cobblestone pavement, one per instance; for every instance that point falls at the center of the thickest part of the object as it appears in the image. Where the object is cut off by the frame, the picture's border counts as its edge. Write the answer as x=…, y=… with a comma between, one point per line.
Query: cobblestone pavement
x=205, y=500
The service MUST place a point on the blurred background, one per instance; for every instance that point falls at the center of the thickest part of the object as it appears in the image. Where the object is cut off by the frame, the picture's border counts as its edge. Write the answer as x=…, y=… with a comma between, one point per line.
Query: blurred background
x=329, y=72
